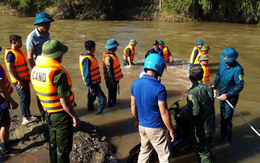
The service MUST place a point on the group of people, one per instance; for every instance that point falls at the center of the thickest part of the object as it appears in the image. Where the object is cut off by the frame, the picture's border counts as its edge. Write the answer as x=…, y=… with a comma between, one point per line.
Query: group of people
x=55, y=97
x=150, y=111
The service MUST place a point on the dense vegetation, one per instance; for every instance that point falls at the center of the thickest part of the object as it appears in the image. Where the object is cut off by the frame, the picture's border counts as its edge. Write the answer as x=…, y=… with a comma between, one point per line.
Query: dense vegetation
x=242, y=11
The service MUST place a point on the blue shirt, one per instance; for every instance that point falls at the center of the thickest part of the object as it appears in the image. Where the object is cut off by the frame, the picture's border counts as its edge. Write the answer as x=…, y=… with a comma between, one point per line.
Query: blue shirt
x=159, y=51
x=35, y=41
x=230, y=79
x=147, y=92
x=10, y=57
x=3, y=103
x=86, y=63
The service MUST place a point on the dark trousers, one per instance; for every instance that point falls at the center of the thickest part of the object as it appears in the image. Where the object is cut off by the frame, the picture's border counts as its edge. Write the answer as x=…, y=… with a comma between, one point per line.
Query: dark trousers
x=42, y=112
x=226, y=114
x=101, y=98
x=112, y=93
x=25, y=98
x=61, y=136
x=201, y=145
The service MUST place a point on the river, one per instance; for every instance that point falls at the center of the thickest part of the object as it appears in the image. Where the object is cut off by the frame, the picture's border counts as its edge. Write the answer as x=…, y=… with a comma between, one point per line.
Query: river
x=116, y=123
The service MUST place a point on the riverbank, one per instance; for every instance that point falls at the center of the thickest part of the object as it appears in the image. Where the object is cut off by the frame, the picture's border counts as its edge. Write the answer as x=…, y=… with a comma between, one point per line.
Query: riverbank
x=58, y=13
x=88, y=146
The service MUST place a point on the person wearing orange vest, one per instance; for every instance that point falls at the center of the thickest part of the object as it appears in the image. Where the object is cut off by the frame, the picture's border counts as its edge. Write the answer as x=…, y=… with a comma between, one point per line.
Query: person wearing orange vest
x=112, y=70
x=16, y=63
x=204, y=64
x=91, y=77
x=5, y=99
x=53, y=86
x=196, y=53
x=129, y=53
x=166, y=52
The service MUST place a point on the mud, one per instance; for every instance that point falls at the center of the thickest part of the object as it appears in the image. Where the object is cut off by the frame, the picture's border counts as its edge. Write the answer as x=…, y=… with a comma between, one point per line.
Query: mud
x=88, y=146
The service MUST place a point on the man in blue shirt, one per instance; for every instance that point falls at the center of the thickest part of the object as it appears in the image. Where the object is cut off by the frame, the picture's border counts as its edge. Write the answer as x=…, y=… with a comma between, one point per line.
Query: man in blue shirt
x=91, y=77
x=149, y=109
x=229, y=77
x=34, y=43
x=155, y=49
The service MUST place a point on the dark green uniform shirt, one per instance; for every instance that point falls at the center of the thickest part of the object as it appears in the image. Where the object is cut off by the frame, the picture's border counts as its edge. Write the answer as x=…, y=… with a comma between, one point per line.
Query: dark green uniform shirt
x=61, y=83
x=201, y=108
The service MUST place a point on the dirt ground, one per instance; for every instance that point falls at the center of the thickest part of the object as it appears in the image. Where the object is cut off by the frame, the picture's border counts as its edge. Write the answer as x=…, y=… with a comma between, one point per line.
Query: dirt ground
x=88, y=146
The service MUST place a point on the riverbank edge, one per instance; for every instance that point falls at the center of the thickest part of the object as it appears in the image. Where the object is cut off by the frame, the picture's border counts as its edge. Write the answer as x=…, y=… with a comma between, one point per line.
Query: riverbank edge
x=7, y=10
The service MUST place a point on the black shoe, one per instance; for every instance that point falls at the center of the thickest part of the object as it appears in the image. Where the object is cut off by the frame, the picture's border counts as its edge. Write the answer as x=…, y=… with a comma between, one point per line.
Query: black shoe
x=10, y=152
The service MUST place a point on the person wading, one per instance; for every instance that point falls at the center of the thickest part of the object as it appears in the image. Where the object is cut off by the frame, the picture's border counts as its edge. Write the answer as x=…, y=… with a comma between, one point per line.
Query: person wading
x=129, y=53
x=196, y=53
x=91, y=77
x=112, y=70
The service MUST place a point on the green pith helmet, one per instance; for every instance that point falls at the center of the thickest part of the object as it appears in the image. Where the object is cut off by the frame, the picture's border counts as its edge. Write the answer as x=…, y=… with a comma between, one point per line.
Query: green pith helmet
x=53, y=49
x=205, y=47
x=132, y=42
x=204, y=57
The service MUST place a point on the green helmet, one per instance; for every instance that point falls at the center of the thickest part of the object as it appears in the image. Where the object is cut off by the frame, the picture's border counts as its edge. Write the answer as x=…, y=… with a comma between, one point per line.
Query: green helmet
x=205, y=47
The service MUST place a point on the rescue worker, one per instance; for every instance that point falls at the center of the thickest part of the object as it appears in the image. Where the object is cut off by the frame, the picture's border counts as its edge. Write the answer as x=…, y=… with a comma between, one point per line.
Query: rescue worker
x=16, y=63
x=204, y=64
x=54, y=89
x=91, y=77
x=150, y=112
x=201, y=110
x=166, y=52
x=155, y=49
x=129, y=53
x=229, y=77
x=112, y=70
x=5, y=100
x=196, y=53
x=34, y=43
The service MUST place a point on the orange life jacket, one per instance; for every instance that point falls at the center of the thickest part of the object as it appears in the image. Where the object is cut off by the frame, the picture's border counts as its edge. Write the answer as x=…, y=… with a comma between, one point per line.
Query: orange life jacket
x=165, y=54
x=132, y=53
x=6, y=81
x=42, y=80
x=205, y=78
x=94, y=69
x=20, y=64
x=116, y=67
x=196, y=61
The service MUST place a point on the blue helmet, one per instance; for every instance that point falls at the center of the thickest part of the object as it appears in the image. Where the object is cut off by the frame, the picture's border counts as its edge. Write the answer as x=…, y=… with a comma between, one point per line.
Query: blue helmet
x=111, y=43
x=42, y=17
x=0, y=48
x=161, y=42
x=199, y=42
x=155, y=62
x=229, y=54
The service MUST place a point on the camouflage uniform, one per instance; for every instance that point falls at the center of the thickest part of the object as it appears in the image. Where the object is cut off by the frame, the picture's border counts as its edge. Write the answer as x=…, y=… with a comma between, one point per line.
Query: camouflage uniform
x=202, y=113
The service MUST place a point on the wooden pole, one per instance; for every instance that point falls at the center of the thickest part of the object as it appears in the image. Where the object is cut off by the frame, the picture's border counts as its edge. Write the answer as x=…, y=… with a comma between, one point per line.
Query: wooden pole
x=160, y=5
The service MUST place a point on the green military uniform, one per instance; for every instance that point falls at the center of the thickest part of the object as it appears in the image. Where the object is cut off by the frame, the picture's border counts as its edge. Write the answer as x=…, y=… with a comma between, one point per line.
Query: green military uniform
x=60, y=124
x=202, y=113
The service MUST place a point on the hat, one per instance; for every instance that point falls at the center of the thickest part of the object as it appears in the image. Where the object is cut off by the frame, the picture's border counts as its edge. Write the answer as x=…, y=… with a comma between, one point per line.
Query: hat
x=155, y=42
x=199, y=42
x=53, y=49
x=195, y=70
x=111, y=43
x=161, y=42
x=205, y=47
x=132, y=41
x=0, y=48
x=42, y=17
x=204, y=57
x=229, y=54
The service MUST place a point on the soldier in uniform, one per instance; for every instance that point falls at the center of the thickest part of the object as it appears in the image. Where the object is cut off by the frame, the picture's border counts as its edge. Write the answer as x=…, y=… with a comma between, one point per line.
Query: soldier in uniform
x=202, y=114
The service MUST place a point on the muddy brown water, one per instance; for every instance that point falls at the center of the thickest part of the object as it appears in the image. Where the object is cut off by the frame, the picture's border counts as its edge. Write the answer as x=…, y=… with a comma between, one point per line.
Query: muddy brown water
x=116, y=123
